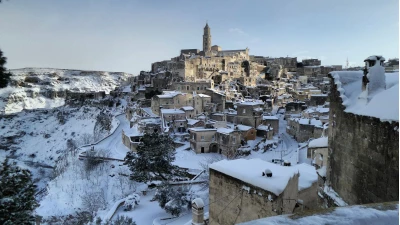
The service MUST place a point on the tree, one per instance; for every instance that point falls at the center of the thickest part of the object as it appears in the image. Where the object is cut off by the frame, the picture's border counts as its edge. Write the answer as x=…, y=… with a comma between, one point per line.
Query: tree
x=17, y=195
x=173, y=200
x=102, y=125
x=153, y=159
x=4, y=75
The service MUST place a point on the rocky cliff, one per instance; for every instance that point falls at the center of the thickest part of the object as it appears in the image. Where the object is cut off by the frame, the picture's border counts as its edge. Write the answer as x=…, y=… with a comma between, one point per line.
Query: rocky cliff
x=32, y=88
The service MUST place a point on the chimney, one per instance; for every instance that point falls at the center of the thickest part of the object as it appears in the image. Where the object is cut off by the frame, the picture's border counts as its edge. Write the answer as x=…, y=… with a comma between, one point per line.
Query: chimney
x=267, y=173
x=197, y=211
x=373, y=80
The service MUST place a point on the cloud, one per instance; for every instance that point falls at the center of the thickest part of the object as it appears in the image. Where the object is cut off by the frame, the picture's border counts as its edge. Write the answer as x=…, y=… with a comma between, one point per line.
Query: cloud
x=237, y=31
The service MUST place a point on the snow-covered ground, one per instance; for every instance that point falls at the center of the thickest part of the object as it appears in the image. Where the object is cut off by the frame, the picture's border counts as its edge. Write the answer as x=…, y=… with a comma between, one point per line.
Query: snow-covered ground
x=375, y=215
x=112, y=145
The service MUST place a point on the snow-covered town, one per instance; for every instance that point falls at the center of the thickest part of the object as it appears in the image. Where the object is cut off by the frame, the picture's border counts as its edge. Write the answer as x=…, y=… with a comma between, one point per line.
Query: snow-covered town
x=207, y=136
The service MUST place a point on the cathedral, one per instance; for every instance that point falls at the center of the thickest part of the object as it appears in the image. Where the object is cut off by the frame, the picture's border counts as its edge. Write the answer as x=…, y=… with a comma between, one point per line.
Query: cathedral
x=212, y=64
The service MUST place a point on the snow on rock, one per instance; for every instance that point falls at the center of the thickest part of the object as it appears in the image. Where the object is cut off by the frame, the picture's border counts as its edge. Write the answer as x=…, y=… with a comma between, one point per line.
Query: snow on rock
x=388, y=215
x=384, y=104
x=335, y=196
x=319, y=143
x=250, y=171
x=322, y=171
x=32, y=88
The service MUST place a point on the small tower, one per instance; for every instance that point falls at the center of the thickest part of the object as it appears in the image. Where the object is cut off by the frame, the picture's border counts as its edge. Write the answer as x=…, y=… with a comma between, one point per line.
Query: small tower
x=197, y=211
x=207, y=39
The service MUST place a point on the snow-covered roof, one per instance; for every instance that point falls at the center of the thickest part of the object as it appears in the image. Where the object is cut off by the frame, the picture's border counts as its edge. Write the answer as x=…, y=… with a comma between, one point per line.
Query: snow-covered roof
x=383, y=105
x=319, y=143
x=306, y=121
x=317, y=109
x=149, y=111
x=192, y=121
x=169, y=94
x=204, y=96
x=187, y=108
x=223, y=130
x=251, y=103
x=243, y=127
x=250, y=171
x=270, y=118
x=263, y=127
x=172, y=111
x=199, y=129
x=381, y=213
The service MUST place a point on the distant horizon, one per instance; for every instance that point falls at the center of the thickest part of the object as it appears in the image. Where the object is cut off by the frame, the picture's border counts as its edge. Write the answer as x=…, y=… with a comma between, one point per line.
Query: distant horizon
x=129, y=36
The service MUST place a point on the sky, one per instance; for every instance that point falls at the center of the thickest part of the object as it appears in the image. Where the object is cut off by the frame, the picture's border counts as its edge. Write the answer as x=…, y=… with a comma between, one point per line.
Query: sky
x=129, y=35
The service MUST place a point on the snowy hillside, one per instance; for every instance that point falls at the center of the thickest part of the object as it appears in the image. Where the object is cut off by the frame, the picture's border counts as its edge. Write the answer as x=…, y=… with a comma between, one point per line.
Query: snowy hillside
x=32, y=88
x=36, y=140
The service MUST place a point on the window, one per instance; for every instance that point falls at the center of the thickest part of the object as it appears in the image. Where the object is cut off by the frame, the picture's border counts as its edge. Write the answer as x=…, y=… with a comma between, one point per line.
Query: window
x=187, y=88
x=244, y=110
x=198, y=88
x=213, y=138
x=202, y=138
x=234, y=140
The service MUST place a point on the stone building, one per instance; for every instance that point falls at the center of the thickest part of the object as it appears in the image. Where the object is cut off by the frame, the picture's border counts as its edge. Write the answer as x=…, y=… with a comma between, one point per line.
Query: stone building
x=239, y=192
x=363, y=134
x=318, y=151
x=199, y=87
x=302, y=129
x=265, y=131
x=249, y=113
x=317, y=99
x=203, y=140
x=174, y=120
x=273, y=121
x=248, y=133
x=202, y=103
x=170, y=100
x=229, y=140
x=223, y=140
x=311, y=62
x=294, y=108
x=315, y=112
x=150, y=125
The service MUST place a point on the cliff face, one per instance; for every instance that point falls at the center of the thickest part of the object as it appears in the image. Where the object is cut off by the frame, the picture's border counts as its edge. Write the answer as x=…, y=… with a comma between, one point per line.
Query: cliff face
x=32, y=88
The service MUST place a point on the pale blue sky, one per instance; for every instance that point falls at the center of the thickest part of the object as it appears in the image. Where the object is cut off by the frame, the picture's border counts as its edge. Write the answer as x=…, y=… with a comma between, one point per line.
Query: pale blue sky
x=128, y=35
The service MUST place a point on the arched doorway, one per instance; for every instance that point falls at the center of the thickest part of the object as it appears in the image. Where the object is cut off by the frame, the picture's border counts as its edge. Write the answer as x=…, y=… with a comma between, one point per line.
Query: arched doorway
x=214, y=147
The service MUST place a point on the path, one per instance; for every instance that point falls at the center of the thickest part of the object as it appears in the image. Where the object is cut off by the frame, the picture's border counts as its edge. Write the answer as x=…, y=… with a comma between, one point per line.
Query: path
x=113, y=145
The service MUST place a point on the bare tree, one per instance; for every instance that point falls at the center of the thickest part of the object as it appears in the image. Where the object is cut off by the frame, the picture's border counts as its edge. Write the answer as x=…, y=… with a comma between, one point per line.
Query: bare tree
x=93, y=201
x=205, y=166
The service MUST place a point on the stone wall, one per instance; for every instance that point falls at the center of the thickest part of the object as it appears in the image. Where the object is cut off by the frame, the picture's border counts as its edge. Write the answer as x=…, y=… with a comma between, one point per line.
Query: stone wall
x=128, y=143
x=364, y=155
x=309, y=196
x=232, y=201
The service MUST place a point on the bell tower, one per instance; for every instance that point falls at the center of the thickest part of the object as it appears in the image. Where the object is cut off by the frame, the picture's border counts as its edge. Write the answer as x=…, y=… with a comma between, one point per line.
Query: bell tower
x=207, y=39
